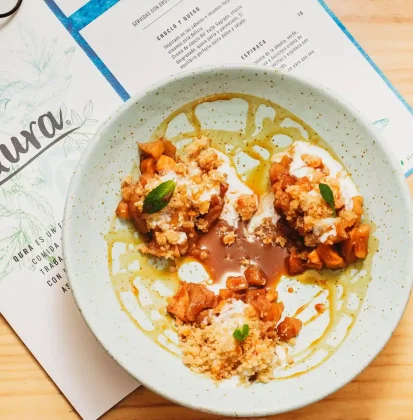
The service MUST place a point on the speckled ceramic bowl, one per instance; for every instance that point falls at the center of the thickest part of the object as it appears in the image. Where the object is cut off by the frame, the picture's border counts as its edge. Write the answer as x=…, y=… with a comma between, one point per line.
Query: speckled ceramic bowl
x=94, y=193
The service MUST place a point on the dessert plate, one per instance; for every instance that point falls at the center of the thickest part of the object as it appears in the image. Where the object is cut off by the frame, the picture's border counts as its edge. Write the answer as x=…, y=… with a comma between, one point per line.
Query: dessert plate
x=95, y=251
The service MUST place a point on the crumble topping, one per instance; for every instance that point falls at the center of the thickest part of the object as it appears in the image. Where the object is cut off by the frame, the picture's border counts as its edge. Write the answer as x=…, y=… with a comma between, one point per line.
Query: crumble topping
x=237, y=330
x=206, y=325
x=330, y=228
x=207, y=188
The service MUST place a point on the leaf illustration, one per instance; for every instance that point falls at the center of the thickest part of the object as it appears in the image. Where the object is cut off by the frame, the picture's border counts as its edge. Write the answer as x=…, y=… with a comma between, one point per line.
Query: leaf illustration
x=9, y=246
x=90, y=122
x=3, y=105
x=76, y=120
x=88, y=110
x=5, y=209
x=82, y=137
x=69, y=51
x=4, y=79
x=81, y=145
x=38, y=182
x=67, y=145
x=37, y=206
x=381, y=124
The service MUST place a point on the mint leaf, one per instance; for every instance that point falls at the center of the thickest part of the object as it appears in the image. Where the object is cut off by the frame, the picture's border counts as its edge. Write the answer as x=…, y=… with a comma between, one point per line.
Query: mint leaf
x=240, y=334
x=159, y=197
x=327, y=193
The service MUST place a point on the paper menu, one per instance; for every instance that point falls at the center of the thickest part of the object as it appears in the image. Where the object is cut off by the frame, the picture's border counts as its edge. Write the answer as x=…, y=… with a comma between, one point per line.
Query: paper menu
x=79, y=60
x=43, y=70
x=158, y=38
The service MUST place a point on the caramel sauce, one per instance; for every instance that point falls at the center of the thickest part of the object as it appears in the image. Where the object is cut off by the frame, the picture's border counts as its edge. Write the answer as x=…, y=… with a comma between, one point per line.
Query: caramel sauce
x=320, y=308
x=224, y=259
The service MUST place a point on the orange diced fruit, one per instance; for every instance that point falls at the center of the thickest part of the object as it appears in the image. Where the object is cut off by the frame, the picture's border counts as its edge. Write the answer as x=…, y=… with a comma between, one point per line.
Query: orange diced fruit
x=170, y=149
x=314, y=260
x=144, y=178
x=294, y=264
x=165, y=164
x=122, y=211
x=153, y=148
x=330, y=257
x=148, y=165
x=289, y=328
x=236, y=283
x=360, y=237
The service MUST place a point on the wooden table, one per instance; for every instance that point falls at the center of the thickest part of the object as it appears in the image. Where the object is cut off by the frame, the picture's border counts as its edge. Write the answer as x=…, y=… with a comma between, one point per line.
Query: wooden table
x=383, y=391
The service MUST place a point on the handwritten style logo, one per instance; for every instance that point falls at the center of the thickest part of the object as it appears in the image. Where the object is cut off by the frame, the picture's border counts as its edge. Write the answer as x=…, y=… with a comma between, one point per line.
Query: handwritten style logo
x=48, y=126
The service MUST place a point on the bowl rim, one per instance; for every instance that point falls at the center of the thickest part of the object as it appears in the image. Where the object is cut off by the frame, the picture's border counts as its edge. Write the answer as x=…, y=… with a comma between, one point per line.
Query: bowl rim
x=88, y=152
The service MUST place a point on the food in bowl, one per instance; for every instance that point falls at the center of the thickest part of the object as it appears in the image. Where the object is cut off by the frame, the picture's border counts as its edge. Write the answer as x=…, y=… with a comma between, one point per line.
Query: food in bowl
x=123, y=293
x=193, y=204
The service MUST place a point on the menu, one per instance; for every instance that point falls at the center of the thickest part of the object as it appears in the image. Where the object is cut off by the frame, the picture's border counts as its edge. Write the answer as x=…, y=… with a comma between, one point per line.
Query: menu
x=65, y=66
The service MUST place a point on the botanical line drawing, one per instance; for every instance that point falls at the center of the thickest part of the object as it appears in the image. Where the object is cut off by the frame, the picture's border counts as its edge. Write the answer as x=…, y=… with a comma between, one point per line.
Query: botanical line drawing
x=40, y=85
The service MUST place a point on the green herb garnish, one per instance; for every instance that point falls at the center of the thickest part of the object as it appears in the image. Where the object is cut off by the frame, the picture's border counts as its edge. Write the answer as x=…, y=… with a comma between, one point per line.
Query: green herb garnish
x=240, y=334
x=159, y=197
x=328, y=196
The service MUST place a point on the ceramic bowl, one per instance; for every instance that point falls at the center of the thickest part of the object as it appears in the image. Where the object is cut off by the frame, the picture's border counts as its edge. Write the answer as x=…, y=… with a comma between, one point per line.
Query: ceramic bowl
x=94, y=194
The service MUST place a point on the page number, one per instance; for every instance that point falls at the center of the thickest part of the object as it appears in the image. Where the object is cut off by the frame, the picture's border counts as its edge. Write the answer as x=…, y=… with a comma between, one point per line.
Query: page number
x=300, y=13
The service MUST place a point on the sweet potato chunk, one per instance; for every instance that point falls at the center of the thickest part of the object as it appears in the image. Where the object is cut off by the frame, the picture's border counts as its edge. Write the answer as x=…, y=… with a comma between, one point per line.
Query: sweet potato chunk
x=347, y=251
x=266, y=310
x=294, y=264
x=272, y=295
x=153, y=148
x=358, y=205
x=289, y=328
x=200, y=298
x=226, y=294
x=360, y=238
x=148, y=165
x=236, y=283
x=170, y=149
x=277, y=308
x=255, y=276
x=202, y=316
x=179, y=303
x=253, y=293
x=136, y=216
x=165, y=164
x=122, y=211
x=314, y=261
x=330, y=257
x=190, y=300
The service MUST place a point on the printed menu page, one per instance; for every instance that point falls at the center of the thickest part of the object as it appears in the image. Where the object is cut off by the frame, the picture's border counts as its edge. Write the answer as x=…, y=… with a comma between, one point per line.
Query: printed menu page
x=51, y=101
x=67, y=70
x=156, y=38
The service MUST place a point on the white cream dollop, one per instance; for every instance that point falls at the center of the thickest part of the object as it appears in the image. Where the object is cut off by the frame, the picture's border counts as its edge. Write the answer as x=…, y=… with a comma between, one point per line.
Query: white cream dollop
x=301, y=169
x=265, y=211
x=235, y=189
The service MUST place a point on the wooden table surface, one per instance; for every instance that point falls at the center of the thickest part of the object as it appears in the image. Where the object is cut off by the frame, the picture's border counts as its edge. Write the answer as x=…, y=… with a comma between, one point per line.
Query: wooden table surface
x=383, y=391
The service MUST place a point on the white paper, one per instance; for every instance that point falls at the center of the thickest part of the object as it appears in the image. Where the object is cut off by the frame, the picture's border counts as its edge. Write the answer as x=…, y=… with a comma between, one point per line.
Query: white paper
x=42, y=69
x=84, y=58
